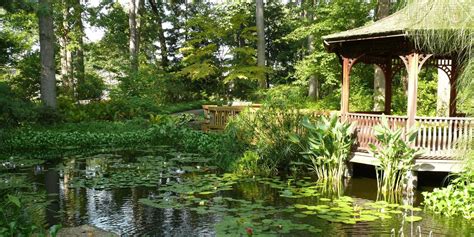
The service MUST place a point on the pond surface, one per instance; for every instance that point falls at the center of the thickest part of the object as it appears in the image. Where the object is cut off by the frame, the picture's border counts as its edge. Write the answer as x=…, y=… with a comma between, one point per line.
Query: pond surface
x=161, y=192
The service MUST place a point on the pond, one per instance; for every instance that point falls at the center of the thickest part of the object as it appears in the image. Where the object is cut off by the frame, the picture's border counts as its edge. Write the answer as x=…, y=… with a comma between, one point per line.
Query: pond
x=161, y=192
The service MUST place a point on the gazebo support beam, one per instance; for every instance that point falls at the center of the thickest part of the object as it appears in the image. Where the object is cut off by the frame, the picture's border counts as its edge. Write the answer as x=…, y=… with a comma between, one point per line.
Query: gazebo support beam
x=413, y=63
x=388, y=92
x=346, y=70
x=388, y=75
x=347, y=64
x=453, y=90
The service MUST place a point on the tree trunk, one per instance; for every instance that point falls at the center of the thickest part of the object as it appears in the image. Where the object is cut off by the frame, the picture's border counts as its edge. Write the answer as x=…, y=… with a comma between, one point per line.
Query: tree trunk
x=383, y=10
x=48, y=77
x=79, y=69
x=133, y=40
x=313, y=82
x=261, y=42
x=66, y=55
x=161, y=33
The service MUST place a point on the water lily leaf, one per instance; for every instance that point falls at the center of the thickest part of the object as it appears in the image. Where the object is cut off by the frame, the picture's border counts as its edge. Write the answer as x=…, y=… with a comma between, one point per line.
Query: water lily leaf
x=413, y=218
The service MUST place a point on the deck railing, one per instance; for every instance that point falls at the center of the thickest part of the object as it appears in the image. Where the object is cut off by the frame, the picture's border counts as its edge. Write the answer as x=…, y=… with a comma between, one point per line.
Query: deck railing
x=217, y=117
x=436, y=136
x=440, y=136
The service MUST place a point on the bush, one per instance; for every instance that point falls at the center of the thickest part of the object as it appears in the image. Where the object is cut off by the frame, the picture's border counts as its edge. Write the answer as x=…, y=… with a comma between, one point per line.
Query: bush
x=267, y=132
x=14, y=111
x=458, y=197
x=91, y=88
x=166, y=130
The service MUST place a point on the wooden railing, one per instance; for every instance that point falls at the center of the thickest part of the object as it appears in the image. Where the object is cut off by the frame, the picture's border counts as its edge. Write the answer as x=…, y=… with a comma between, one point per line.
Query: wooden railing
x=436, y=136
x=217, y=117
x=439, y=136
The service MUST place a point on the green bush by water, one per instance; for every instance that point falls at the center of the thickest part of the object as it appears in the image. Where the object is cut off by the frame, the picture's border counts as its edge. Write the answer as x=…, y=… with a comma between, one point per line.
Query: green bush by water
x=266, y=132
x=222, y=148
x=458, y=197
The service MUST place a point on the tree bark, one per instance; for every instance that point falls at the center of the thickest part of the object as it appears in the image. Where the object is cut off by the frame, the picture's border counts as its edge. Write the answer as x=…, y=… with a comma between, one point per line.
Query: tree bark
x=46, y=35
x=161, y=33
x=261, y=42
x=383, y=10
x=133, y=39
x=313, y=82
x=65, y=51
x=79, y=69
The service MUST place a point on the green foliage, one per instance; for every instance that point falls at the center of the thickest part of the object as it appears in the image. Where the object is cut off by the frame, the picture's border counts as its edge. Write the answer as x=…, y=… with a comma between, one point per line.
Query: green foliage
x=267, y=132
x=164, y=130
x=14, y=111
x=458, y=197
x=91, y=88
x=331, y=16
x=21, y=207
x=249, y=165
x=395, y=156
x=455, y=199
x=284, y=97
x=326, y=146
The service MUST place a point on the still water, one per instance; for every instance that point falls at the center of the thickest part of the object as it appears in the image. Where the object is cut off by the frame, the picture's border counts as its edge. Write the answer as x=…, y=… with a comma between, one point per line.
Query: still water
x=161, y=192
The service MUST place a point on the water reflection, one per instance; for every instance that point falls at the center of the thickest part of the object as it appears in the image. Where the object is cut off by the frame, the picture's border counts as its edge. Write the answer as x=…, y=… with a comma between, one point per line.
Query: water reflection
x=119, y=210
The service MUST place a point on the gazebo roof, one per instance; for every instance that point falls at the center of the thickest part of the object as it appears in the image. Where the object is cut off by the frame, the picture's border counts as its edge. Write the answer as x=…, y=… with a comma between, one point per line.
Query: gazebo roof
x=419, y=15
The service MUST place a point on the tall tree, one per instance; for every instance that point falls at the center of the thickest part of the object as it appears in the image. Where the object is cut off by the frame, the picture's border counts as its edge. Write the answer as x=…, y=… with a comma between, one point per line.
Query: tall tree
x=261, y=42
x=313, y=83
x=134, y=43
x=79, y=69
x=46, y=31
x=383, y=10
x=161, y=33
x=65, y=50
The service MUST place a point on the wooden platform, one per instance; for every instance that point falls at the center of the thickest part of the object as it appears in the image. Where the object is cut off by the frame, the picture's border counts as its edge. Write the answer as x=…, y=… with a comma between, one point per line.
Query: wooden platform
x=421, y=163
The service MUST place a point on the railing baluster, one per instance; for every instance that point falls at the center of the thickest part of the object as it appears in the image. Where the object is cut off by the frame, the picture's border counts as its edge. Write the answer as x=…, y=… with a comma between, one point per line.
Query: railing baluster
x=445, y=135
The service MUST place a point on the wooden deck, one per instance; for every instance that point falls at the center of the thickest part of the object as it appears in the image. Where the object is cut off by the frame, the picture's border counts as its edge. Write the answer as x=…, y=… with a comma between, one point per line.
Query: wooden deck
x=441, y=139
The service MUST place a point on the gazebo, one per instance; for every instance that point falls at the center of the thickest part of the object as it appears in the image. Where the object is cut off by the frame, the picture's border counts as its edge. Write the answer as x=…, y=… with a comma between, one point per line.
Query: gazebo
x=386, y=43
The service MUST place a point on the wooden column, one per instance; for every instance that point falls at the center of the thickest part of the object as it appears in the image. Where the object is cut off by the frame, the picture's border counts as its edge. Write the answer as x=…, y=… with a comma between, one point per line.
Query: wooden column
x=412, y=87
x=346, y=67
x=413, y=63
x=388, y=88
x=453, y=90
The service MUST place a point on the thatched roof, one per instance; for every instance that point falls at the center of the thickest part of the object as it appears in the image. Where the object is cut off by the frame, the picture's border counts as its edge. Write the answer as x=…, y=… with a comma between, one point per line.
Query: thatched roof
x=420, y=15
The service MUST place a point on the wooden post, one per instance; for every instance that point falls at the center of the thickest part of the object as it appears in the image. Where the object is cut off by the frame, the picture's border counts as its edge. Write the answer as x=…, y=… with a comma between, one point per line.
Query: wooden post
x=453, y=90
x=412, y=68
x=413, y=63
x=388, y=89
x=345, y=86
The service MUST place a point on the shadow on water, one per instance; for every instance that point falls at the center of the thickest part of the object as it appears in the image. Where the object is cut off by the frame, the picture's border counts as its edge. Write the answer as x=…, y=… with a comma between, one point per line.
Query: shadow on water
x=105, y=189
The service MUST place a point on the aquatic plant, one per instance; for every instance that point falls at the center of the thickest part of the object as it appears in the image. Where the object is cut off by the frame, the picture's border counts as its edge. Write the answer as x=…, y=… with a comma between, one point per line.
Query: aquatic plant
x=394, y=154
x=458, y=197
x=249, y=164
x=22, y=208
x=326, y=147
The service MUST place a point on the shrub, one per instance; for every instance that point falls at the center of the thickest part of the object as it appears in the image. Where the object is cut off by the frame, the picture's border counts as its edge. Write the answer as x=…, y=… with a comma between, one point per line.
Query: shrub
x=458, y=197
x=267, y=132
x=14, y=111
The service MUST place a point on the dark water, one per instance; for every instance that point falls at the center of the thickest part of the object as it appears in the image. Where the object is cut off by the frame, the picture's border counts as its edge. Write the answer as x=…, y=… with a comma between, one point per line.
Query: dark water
x=115, y=205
